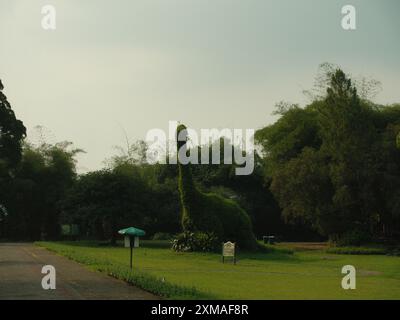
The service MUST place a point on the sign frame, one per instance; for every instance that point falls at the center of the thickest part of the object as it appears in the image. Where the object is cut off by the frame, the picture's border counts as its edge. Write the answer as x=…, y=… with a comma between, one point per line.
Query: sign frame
x=229, y=251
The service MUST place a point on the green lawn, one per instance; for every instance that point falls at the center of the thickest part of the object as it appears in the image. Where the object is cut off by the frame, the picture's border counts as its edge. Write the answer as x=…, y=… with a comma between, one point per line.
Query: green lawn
x=306, y=274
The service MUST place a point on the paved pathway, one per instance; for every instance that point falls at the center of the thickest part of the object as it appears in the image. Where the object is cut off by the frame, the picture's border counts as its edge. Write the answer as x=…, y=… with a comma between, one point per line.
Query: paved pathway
x=21, y=278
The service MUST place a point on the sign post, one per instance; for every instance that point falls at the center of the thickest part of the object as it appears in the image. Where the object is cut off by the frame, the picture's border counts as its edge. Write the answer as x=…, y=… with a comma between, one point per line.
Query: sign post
x=131, y=240
x=229, y=250
x=131, y=245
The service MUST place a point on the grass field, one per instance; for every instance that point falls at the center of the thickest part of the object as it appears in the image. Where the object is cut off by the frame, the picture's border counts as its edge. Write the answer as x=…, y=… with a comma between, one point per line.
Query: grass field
x=306, y=274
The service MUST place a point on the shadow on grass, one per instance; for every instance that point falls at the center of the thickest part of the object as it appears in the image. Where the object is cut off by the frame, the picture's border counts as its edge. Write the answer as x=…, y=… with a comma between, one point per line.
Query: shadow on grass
x=268, y=256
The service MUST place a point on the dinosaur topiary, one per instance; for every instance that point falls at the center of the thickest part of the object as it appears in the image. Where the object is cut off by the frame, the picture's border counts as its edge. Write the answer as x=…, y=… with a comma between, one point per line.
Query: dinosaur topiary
x=210, y=213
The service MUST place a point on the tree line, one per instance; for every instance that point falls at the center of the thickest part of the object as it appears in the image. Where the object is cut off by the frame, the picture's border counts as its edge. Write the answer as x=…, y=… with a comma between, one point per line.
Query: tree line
x=329, y=170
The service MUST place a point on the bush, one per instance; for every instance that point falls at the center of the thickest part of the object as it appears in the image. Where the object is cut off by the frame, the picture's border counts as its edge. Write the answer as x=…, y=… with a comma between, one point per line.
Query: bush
x=162, y=236
x=195, y=241
x=357, y=251
x=352, y=238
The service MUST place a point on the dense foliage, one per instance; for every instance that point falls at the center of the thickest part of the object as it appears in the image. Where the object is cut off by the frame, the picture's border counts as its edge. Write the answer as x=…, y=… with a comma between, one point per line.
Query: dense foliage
x=334, y=164
x=32, y=197
x=195, y=241
x=102, y=202
x=12, y=132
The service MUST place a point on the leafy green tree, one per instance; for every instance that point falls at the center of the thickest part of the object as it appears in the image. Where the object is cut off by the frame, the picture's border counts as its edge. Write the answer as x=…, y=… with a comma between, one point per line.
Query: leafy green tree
x=334, y=164
x=284, y=140
x=12, y=132
x=33, y=196
x=134, y=154
x=160, y=184
x=348, y=135
x=102, y=202
x=387, y=122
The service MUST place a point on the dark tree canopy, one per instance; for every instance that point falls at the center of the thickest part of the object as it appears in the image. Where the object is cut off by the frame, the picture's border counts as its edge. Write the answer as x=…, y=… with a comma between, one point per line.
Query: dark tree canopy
x=12, y=132
x=32, y=197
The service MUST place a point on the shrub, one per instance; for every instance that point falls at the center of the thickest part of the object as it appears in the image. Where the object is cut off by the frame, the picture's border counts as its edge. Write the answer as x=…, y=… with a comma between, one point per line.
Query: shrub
x=357, y=250
x=195, y=241
x=352, y=238
x=206, y=242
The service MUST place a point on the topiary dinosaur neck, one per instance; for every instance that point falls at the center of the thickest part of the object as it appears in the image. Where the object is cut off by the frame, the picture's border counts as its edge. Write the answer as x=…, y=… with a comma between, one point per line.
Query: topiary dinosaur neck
x=186, y=185
x=187, y=188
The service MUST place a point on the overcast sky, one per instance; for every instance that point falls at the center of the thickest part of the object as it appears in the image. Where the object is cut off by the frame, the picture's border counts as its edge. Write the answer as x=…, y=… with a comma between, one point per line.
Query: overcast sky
x=134, y=65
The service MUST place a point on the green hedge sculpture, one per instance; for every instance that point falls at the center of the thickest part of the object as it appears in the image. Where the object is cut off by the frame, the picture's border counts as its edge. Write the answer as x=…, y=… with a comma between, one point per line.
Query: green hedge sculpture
x=211, y=213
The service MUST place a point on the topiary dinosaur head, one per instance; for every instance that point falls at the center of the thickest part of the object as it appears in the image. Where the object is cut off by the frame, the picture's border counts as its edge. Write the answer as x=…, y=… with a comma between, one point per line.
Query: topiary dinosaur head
x=181, y=136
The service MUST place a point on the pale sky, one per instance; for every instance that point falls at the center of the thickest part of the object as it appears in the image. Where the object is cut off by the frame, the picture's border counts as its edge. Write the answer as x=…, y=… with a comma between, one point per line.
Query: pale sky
x=134, y=65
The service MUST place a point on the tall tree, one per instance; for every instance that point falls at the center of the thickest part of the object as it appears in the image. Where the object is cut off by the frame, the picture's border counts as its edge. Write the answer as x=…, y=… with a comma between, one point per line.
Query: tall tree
x=40, y=182
x=12, y=132
x=334, y=164
x=102, y=202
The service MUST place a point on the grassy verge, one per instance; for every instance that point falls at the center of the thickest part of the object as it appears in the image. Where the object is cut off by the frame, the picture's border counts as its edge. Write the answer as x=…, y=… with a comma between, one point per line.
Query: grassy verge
x=267, y=248
x=304, y=274
x=148, y=282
